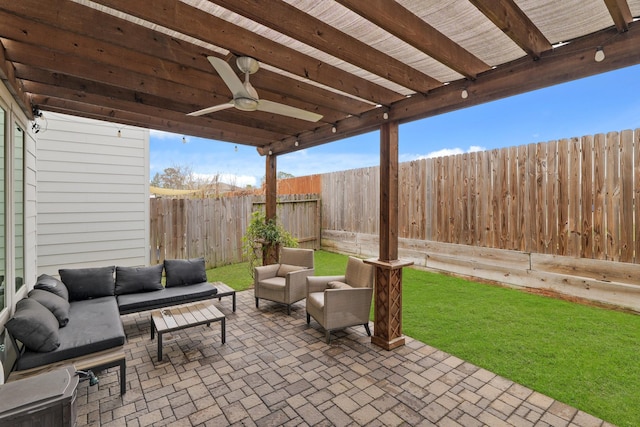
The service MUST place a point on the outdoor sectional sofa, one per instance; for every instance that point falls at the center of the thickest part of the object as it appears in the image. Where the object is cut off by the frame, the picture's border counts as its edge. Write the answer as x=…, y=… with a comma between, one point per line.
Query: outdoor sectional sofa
x=79, y=315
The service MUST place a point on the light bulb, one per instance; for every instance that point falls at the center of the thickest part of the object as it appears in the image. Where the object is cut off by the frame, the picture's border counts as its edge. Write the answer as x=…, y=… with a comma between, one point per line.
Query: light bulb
x=464, y=94
x=599, y=56
x=385, y=115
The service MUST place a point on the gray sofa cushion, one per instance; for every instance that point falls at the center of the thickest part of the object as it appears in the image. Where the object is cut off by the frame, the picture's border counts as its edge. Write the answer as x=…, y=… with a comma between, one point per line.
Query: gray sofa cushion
x=180, y=272
x=131, y=303
x=56, y=305
x=138, y=279
x=95, y=326
x=85, y=283
x=53, y=285
x=34, y=326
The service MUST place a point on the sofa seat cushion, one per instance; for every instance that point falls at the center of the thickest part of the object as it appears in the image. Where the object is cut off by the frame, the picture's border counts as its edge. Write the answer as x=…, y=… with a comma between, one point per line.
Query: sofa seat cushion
x=94, y=326
x=274, y=283
x=130, y=303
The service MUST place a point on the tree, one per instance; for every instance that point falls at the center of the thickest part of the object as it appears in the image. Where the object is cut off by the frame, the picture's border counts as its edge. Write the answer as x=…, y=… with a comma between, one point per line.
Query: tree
x=178, y=177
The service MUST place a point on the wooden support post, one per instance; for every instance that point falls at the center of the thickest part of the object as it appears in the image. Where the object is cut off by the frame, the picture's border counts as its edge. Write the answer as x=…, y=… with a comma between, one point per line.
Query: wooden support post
x=388, y=288
x=270, y=255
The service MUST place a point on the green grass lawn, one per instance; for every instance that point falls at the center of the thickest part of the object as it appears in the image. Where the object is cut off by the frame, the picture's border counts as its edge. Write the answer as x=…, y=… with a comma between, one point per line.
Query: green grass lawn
x=585, y=356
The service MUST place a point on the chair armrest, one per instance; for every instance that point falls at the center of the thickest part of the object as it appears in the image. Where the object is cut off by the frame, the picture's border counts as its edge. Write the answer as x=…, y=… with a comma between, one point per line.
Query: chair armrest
x=319, y=283
x=299, y=276
x=347, y=305
x=265, y=272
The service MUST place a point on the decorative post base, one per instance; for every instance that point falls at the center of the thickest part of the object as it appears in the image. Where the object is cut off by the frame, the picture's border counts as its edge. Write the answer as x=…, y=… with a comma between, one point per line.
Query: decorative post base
x=387, y=326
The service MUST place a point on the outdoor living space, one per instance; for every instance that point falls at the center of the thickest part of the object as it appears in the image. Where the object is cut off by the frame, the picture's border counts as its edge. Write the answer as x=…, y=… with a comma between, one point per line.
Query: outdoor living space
x=275, y=369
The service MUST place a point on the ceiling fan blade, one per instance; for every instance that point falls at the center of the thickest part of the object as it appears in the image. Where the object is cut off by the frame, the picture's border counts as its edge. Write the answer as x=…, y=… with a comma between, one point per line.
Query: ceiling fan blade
x=287, y=110
x=211, y=109
x=229, y=77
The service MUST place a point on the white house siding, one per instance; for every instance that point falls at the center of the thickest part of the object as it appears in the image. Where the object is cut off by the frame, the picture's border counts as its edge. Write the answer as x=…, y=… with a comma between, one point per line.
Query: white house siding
x=93, y=194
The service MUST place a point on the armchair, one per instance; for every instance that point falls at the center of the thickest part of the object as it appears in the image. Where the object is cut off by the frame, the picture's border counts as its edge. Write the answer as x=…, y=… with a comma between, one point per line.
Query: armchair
x=337, y=302
x=284, y=282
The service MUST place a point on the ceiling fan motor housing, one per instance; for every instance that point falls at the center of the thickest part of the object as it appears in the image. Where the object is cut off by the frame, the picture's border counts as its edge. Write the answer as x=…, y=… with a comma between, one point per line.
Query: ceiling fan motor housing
x=246, y=64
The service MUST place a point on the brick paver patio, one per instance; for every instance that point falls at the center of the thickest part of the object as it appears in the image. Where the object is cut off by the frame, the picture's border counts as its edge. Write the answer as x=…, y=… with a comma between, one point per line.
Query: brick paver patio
x=275, y=370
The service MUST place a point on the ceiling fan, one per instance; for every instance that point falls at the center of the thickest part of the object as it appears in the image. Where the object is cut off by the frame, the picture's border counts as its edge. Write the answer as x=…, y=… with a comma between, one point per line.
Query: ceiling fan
x=245, y=97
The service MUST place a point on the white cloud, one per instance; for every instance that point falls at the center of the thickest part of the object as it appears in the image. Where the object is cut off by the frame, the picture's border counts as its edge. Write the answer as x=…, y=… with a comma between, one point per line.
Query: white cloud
x=160, y=134
x=449, y=152
x=228, y=178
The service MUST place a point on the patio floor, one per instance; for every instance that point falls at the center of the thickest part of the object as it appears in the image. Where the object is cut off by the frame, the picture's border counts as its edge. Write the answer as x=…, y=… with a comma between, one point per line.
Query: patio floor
x=275, y=370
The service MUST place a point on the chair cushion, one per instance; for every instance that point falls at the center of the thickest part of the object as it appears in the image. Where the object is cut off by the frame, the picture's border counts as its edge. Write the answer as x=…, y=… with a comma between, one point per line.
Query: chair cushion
x=56, y=305
x=316, y=299
x=138, y=279
x=338, y=285
x=86, y=283
x=287, y=268
x=274, y=283
x=34, y=326
x=130, y=303
x=53, y=285
x=181, y=272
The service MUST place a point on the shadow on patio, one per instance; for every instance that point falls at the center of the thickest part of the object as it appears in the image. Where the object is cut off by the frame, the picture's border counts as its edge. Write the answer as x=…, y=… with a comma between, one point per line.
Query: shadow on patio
x=276, y=370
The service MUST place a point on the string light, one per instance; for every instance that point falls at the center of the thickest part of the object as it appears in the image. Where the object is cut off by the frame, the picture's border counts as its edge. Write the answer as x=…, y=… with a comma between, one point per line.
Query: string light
x=599, y=56
x=464, y=94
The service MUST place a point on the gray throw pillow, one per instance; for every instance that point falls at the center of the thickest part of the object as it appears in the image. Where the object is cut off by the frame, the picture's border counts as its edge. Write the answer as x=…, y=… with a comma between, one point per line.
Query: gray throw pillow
x=53, y=285
x=87, y=283
x=180, y=272
x=131, y=280
x=34, y=326
x=56, y=305
x=285, y=269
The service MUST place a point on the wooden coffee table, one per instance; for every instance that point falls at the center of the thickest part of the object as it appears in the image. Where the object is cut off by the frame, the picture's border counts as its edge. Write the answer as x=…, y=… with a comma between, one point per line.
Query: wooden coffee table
x=184, y=316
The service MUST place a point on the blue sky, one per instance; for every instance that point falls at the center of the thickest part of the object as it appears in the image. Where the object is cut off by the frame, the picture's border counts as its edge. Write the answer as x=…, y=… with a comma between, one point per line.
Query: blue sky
x=598, y=104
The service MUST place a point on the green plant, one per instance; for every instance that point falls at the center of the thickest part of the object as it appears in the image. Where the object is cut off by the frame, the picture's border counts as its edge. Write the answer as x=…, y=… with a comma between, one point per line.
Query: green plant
x=263, y=239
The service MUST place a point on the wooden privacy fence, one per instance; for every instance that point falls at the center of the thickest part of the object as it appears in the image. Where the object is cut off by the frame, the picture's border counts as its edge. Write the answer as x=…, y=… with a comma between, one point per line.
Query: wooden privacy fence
x=213, y=228
x=573, y=197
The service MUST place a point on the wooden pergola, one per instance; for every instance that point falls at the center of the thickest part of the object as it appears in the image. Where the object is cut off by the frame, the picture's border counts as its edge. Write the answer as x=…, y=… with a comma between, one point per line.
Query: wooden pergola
x=362, y=66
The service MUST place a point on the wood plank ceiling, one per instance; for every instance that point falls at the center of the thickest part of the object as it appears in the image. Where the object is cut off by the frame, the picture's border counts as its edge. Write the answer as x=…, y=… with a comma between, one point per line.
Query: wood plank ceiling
x=356, y=63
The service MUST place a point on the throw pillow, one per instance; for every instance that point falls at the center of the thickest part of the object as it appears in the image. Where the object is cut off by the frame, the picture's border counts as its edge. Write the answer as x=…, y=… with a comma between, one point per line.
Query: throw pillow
x=56, y=305
x=338, y=285
x=34, y=326
x=53, y=285
x=181, y=272
x=87, y=283
x=131, y=280
x=286, y=269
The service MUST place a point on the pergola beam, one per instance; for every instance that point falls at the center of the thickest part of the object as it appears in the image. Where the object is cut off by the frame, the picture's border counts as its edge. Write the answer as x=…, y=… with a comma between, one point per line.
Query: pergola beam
x=419, y=34
x=620, y=13
x=507, y=16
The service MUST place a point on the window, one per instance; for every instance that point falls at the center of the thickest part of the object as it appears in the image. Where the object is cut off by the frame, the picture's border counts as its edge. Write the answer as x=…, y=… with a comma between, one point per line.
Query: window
x=3, y=298
x=18, y=205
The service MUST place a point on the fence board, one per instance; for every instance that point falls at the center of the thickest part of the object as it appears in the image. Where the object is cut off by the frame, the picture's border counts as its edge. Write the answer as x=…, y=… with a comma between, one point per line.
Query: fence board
x=587, y=194
x=599, y=244
x=612, y=197
x=626, y=196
